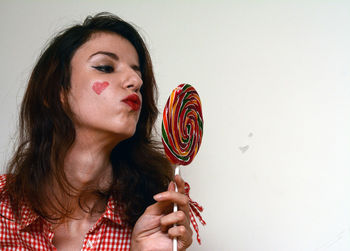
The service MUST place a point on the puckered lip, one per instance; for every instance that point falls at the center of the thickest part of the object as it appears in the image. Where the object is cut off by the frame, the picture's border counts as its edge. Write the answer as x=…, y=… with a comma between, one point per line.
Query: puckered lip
x=133, y=101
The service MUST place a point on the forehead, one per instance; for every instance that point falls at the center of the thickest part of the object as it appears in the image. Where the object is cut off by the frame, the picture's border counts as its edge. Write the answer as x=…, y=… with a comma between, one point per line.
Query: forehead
x=110, y=42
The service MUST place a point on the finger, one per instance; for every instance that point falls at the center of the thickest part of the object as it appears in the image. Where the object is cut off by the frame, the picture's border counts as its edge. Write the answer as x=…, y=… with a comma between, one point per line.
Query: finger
x=175, y=197
x=165, y=201
x=183, y=235
x=171, y=186
x=180, y=183
x=181, y=200
x=178, y=218
x=159, y=208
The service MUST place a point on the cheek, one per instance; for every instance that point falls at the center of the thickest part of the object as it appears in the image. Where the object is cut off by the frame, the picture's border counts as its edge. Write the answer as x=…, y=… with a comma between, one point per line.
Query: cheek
x=98, y=87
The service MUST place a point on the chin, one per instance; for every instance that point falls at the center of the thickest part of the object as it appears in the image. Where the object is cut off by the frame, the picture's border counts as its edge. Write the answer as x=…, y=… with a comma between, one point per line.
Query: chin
x=127, y=133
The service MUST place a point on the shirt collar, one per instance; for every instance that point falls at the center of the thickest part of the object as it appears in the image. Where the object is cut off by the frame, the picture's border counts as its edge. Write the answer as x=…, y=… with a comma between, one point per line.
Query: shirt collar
x=113, y=212
x=28, y=216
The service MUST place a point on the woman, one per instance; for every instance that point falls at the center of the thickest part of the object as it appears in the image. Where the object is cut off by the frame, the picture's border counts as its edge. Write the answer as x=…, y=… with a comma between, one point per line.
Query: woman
x=87, y=173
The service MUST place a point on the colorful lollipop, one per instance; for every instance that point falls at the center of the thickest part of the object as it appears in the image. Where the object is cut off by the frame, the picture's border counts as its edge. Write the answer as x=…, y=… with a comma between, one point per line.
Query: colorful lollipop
x=182, y=131
x=182, y=126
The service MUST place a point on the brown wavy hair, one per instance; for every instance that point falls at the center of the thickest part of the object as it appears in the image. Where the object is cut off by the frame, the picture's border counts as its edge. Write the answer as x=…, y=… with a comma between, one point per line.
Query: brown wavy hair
x=46, y=132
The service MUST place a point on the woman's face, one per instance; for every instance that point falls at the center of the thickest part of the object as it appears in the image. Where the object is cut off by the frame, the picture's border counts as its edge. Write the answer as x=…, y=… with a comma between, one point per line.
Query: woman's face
x=105, y=86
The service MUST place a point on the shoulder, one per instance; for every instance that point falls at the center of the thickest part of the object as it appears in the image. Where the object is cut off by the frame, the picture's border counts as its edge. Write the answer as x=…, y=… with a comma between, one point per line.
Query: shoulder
x=3, y=178
x=4, y=197
x=5, y=206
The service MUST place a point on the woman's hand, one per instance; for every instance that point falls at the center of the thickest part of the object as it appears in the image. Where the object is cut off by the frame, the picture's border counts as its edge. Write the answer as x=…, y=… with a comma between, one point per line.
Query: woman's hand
x=155, y=229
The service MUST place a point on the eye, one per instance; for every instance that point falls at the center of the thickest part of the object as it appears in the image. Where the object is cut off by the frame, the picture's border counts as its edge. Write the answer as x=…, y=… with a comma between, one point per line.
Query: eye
x=139, y=74
x=137, y=70
x=104, y=68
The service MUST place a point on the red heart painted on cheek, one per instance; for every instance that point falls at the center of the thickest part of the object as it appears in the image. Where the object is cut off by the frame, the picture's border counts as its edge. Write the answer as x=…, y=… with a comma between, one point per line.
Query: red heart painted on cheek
x=99, y=87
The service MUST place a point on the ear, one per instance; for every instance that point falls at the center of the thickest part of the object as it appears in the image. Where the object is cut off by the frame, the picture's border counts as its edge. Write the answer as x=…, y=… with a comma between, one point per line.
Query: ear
x=45, y=103
x=62, y=96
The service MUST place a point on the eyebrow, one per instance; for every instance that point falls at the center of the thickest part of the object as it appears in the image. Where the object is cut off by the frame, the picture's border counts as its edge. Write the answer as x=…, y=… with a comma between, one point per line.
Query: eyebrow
x=109, y=54
x=115, y=57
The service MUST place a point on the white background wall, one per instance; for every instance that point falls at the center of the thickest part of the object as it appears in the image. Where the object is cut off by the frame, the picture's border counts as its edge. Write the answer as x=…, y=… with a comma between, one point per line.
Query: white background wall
x=273, y=172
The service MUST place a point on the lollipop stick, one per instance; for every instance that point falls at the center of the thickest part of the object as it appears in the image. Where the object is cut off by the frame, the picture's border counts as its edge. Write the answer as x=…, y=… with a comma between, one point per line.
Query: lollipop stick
x=177, y=172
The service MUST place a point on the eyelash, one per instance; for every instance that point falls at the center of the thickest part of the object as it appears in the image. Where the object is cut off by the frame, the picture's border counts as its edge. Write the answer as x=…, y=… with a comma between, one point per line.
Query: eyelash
x=104, y=68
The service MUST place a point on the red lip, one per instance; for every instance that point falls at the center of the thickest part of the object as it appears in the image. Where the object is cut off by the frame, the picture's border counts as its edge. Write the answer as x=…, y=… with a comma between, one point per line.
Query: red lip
x=133, y=101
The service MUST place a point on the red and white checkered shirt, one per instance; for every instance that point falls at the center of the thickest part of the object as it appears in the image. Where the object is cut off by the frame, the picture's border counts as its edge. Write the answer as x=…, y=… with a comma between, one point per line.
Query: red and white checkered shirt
x=32, y=232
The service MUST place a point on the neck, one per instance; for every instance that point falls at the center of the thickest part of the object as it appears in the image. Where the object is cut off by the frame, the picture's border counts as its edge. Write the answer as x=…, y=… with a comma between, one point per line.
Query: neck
x=87, y=162
x=88, y=169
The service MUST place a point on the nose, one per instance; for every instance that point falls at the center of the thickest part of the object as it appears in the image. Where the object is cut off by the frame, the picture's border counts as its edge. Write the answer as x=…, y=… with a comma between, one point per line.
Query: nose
x=132, y=80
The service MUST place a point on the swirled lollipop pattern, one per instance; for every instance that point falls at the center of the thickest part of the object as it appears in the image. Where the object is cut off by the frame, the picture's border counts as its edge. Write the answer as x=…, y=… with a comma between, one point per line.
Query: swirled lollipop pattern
x=182, y=126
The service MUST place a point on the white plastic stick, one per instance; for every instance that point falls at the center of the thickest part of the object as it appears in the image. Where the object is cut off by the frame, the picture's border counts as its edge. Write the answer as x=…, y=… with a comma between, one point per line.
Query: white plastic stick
x=177, y=172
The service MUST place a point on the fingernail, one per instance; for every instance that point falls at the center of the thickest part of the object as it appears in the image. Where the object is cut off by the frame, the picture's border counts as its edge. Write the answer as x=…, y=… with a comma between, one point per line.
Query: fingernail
x=171, y=186
x=157, y=196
